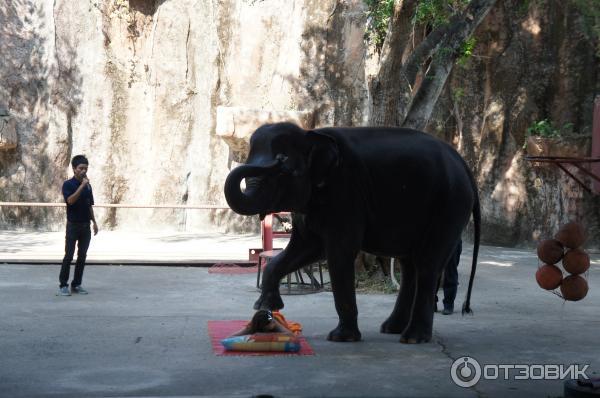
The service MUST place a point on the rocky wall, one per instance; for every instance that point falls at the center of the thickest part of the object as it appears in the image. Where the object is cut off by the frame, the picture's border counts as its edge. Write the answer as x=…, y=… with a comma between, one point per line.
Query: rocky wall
x=532, y=61
x=135, y=85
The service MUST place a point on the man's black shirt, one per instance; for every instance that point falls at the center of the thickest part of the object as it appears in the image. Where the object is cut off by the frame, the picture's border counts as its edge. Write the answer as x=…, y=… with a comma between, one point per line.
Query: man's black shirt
x=80, y=210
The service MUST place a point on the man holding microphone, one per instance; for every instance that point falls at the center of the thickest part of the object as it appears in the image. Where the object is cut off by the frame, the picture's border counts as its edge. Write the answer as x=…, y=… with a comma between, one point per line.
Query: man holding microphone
x=79, y=198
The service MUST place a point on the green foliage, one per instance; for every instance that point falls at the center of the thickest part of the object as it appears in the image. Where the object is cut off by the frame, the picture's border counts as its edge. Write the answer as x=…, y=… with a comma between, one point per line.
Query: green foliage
x=546, y=129
x=458, y=94
x=379, y=13
x=543, y=128
x=433, y=13
x=466, y=51
x=437, y=12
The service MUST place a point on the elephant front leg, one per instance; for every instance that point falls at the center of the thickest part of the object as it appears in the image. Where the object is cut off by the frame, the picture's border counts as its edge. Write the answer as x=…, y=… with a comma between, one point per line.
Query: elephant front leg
x=296, y=255
x=400, y=316
x=341, y=271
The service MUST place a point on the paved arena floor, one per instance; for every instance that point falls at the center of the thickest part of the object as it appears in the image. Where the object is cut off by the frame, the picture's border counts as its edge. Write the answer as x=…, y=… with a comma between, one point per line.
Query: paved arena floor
x=142, y=331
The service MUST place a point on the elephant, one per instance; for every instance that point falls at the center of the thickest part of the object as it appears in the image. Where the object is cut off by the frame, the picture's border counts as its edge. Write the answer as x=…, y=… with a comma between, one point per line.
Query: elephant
x=393, y=192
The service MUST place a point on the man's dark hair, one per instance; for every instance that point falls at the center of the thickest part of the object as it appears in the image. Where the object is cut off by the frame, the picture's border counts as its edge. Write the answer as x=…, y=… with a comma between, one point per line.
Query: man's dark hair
x=79, y=159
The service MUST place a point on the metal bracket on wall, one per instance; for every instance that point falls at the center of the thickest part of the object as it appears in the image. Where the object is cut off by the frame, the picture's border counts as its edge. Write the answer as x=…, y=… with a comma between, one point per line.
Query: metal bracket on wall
x=561, y=162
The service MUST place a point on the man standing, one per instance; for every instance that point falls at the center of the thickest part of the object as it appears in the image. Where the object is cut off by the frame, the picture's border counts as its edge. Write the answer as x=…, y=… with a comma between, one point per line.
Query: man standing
x=79, y=198
x=450, y=281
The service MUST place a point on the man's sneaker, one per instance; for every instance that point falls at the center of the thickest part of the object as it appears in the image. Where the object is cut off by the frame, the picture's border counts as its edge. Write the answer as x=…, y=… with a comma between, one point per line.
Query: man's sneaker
x=63, y=291
x=78, y=290
x=448, y=311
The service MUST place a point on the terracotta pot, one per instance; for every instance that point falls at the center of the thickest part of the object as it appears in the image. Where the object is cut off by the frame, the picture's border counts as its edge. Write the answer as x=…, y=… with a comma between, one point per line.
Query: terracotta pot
x=571, y=146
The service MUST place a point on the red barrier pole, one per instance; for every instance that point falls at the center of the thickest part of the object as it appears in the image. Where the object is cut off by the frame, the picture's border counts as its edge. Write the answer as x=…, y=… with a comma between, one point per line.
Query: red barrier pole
x=596, y=143
x=267, y=232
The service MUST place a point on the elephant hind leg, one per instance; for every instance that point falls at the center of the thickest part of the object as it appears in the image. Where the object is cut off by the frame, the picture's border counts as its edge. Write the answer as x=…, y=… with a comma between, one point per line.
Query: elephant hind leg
x=428, y=267
x=420, y=326
x=400, y=316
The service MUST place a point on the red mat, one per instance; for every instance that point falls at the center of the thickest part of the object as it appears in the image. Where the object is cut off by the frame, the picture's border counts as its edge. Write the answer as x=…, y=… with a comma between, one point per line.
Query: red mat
x=224, y=268
x=218, y=330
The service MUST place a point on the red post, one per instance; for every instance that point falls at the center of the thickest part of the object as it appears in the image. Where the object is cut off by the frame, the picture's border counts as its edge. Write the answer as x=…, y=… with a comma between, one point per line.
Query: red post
x=596, y=143
x=267, y=232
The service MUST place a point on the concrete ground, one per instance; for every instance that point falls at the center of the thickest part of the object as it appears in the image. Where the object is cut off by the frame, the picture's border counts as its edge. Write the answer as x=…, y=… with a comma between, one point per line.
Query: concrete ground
x=142, y=332
x=116, y=246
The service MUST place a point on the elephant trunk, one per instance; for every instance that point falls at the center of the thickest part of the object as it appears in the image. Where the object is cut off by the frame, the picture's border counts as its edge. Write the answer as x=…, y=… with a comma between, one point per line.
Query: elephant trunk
x=253, y=199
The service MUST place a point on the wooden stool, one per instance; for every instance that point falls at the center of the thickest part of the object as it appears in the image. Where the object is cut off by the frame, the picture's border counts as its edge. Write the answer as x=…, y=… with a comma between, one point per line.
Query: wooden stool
x=263, y=259
x=313, y=285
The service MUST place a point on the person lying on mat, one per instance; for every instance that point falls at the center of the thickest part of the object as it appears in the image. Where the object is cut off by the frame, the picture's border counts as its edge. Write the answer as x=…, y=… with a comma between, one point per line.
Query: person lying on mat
x=265, y=321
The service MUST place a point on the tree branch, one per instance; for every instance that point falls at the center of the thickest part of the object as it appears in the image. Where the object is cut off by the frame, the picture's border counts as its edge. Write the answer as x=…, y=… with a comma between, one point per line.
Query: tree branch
x=385, y=92
x=424, y=100
x=393, y=91
x=399, y=31
x=422, y=104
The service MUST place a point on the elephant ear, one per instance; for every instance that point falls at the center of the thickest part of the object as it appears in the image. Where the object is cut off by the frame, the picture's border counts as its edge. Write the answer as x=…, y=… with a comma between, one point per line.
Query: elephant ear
x=323, y=157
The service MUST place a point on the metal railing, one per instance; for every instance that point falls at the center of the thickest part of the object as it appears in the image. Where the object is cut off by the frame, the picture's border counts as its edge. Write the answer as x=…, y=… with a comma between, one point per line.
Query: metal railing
x=116, y=205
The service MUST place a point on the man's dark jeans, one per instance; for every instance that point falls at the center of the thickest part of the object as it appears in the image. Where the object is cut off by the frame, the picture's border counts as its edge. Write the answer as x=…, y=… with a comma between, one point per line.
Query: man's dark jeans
x=81, y=233
x=449, y=279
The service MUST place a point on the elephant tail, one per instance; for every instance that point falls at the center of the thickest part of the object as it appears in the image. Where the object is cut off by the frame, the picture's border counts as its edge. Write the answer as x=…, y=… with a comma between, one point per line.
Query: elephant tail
x=477, y=232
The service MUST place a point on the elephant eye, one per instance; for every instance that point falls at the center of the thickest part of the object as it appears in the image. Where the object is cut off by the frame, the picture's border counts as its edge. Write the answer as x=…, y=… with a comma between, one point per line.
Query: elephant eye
x=286, y=165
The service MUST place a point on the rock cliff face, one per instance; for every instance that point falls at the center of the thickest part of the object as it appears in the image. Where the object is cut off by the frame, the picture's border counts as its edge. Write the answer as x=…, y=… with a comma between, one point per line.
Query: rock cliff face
x=136, y=84
x=531, y=63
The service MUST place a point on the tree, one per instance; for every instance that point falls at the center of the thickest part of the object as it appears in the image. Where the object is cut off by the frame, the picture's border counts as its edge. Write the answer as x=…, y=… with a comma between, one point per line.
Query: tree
x=418, y=42
x=424, y=40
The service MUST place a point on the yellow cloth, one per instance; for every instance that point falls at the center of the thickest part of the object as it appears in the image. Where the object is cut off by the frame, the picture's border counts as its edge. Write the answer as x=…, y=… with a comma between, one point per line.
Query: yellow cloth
x=293, y=327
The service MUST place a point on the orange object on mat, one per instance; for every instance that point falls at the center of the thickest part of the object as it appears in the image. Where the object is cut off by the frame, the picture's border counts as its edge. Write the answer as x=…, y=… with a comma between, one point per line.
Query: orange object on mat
x=293, y=327
x=219, y=330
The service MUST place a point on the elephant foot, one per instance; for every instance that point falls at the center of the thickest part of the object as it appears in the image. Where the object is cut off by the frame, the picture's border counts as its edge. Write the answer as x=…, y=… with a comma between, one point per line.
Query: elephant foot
x=269, y=301
x=344, y=334
x=415, y=337
x=391, y=326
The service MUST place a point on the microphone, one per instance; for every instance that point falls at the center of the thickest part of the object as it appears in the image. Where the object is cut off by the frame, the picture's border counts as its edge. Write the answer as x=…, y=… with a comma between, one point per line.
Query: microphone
x=88, y=186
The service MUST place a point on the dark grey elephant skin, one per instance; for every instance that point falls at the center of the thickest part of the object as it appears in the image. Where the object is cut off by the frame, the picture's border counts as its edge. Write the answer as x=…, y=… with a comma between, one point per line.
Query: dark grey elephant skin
x=387, y=191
